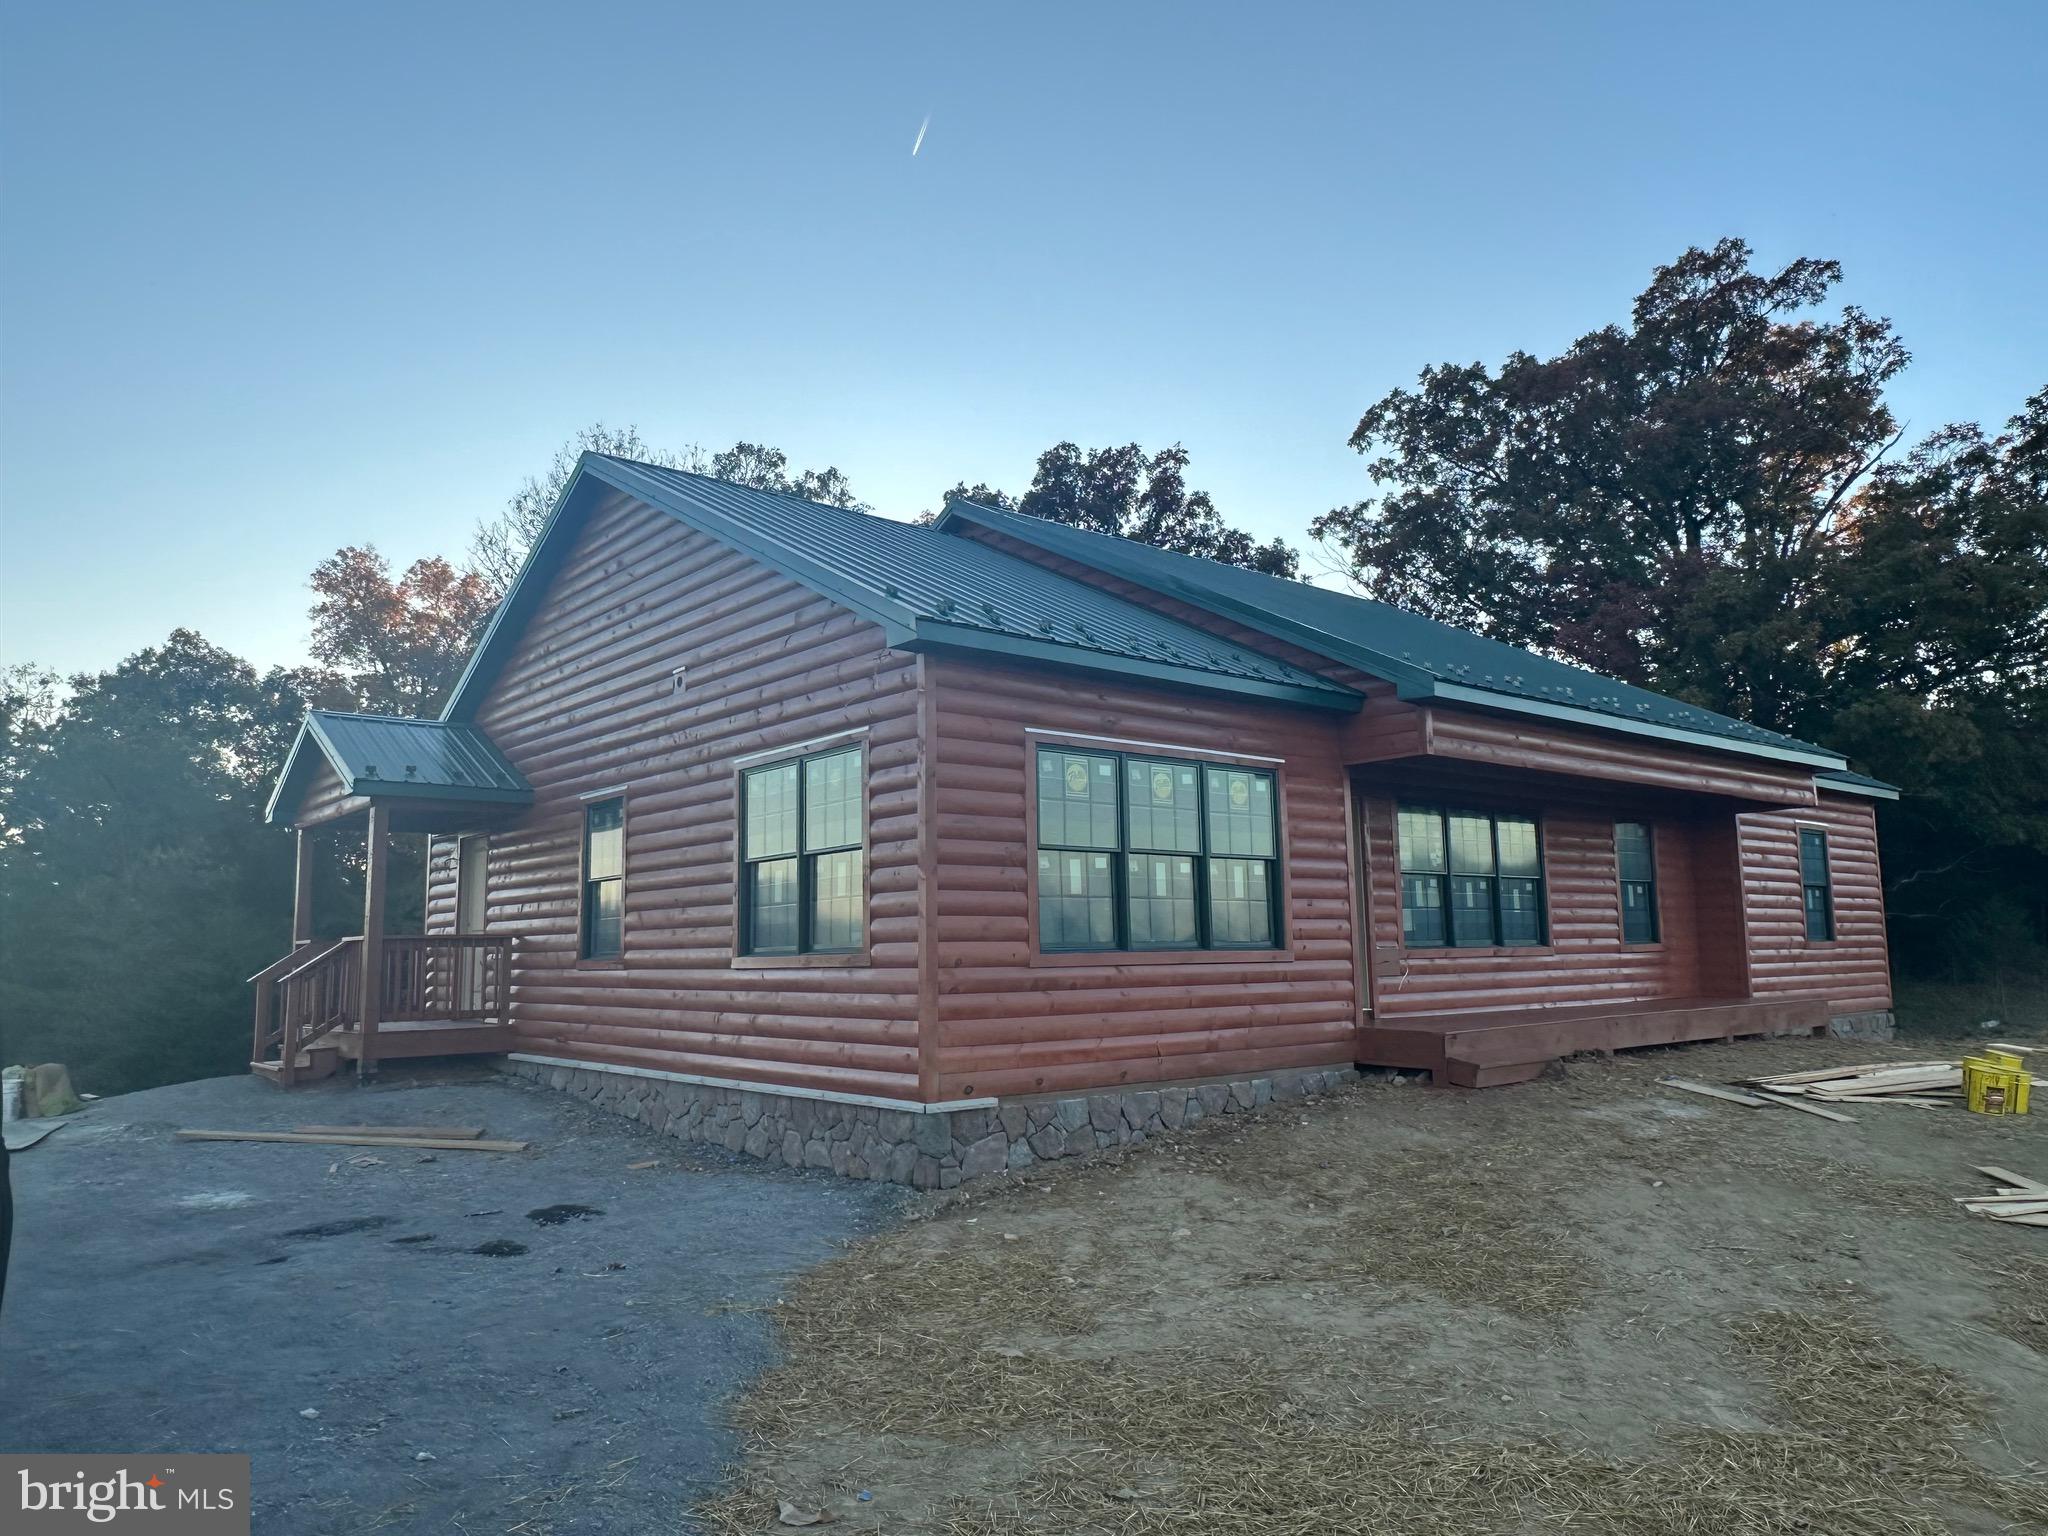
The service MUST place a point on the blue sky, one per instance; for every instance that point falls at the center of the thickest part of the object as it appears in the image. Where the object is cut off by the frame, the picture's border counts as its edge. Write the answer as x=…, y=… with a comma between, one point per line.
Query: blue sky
x=278, y=278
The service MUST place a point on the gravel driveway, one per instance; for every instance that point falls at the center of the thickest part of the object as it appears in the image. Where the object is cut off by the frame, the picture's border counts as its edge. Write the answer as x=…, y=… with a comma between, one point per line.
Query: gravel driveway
x=404, y=1340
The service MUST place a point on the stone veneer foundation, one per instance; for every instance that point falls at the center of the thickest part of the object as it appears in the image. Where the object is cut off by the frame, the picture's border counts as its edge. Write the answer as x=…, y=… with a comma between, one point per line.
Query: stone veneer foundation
x=927, y=1147
x=1861, y=1026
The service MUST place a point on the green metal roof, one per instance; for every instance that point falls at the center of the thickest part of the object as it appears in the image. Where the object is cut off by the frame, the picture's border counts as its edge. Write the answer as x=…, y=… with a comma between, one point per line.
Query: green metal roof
x=1425, y=659
x=389, y=756
x=1848, y=783
x=926, y=590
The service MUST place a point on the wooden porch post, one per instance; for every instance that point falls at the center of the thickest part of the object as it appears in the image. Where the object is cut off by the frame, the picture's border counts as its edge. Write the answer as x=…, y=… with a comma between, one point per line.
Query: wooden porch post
x=372, y=992
x=302, y=894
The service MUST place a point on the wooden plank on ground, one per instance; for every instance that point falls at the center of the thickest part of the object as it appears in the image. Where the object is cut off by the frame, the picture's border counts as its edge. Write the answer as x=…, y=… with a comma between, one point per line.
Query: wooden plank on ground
x=1712, y=1092
x=1999, y=1210
x=2026, y=1221
x=2007, y=1176
x=442, y=1132
x=427, y=1143
x=1811, y=1109
x=1822, y=1074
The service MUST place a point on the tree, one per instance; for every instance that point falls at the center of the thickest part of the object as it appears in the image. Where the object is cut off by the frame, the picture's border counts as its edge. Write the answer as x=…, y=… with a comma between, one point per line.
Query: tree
x=500, y=544
x=767, y=469
x=400, y=644
x=1125, y=492
x=138, y=884
x=1702, y=502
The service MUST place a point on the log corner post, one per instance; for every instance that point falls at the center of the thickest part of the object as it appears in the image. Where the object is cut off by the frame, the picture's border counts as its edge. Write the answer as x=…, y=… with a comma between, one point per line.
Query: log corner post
x=302, y=892
x=371, y=995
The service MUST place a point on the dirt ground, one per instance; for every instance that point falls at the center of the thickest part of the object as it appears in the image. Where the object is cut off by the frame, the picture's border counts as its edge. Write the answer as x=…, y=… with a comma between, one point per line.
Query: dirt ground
x=1587, y=1303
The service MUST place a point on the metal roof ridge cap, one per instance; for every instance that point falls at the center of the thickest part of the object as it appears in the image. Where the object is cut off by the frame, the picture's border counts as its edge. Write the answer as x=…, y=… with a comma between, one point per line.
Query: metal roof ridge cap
x=882, y=609
x=1280, y=626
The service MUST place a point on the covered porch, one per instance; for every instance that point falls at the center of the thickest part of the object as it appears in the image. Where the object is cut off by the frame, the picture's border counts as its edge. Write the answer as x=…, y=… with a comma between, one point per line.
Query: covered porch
x=371, y=996
x=1534, y=892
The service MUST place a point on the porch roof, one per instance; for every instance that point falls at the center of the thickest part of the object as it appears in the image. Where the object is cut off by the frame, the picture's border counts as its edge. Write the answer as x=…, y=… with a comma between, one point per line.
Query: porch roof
x=390, y=757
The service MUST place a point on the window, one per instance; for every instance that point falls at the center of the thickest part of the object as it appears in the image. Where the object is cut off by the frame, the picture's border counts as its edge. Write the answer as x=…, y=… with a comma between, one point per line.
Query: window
x=604, y=879
x=802, y=868
x=1469, y=879
x=1141, y=852
x=1817, y=889
x=1635, y=856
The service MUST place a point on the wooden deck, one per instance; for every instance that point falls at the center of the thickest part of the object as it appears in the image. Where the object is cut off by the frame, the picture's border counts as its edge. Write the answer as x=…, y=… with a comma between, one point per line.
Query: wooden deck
x=395, y=1039
x=1487, y=1049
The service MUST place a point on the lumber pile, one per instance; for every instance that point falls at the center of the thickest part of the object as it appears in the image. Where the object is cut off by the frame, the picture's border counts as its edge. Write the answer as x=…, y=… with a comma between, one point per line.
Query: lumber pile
x=1921, y=1084
x=2019, y=1201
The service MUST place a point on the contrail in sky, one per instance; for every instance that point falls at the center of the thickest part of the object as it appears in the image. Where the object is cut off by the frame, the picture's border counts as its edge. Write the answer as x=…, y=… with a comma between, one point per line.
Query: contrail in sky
x=920, y=135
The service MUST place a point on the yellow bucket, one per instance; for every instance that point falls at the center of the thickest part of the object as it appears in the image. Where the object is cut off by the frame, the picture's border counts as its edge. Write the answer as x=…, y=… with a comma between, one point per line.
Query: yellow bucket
x=1995, y=1083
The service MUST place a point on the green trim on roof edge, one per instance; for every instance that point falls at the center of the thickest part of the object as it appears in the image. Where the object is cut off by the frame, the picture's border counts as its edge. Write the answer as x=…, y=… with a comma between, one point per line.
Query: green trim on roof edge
x=1204, y=584
x=958, y=638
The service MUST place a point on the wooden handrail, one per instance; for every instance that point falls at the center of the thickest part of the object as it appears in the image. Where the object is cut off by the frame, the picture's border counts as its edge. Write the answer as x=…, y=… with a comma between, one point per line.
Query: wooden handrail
x=299, y=956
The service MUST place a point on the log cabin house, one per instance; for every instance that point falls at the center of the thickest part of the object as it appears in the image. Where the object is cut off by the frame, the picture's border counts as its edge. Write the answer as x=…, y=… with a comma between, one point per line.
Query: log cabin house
x=921, y=851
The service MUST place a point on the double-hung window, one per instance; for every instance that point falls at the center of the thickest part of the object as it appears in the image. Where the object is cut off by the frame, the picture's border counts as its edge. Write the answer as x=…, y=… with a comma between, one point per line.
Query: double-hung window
x=1469, y=879
x=1142, y=852
x=604, y=879
x=1635, y=858
x=1816, y=888
x=802, y=866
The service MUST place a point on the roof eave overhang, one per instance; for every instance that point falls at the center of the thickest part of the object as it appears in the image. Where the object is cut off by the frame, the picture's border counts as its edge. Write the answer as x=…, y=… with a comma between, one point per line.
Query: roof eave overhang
x=1842, y=787
x=926, y=635
x=1593, y=719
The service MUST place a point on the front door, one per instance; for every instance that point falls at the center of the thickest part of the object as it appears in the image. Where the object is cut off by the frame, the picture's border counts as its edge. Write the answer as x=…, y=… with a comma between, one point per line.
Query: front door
x=472, y=866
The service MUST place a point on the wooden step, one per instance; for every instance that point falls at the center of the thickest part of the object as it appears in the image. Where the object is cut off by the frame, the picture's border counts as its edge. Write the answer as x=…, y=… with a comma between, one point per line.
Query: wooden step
x=321, y=1060
x=1494, y=1047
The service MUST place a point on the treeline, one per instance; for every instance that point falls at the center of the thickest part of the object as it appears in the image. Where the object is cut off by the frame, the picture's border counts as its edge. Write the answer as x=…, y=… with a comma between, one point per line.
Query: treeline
x=1713, y=500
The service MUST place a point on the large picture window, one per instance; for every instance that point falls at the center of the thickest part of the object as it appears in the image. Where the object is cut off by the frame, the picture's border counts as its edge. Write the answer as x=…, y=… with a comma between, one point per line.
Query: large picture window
x=1141, y=852
x=1817, y=887
x=604, y=879
x=802, y=869
x=1469, y=879
x=1635, y=857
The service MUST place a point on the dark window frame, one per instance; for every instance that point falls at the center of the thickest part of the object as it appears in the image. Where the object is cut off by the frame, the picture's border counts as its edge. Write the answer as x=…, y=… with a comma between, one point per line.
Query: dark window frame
x=806, y=858
x=1808, y=886
x=1122, y=854
x=1444, y=813
x=587, y=885
x=1623, y=882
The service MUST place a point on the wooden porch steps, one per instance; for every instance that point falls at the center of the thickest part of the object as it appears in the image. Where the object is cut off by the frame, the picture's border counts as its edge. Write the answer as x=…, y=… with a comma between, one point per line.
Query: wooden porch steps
x=1492, y=1048
x=400, y=1039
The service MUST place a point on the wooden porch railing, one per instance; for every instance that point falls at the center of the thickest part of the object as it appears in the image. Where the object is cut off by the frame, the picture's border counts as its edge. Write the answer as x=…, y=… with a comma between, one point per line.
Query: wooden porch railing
x=446, y=976
x=317, y=989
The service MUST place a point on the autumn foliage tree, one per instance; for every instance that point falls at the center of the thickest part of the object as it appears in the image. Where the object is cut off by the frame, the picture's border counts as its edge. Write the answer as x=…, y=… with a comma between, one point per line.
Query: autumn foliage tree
x=400, y=642
x=1708, y=501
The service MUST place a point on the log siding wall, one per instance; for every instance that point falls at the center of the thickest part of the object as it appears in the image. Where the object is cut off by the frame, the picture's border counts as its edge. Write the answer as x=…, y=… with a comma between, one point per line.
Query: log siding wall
x=1585, y=960
x=1852, y=970
x=586, y=704
x=1011, y=1021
